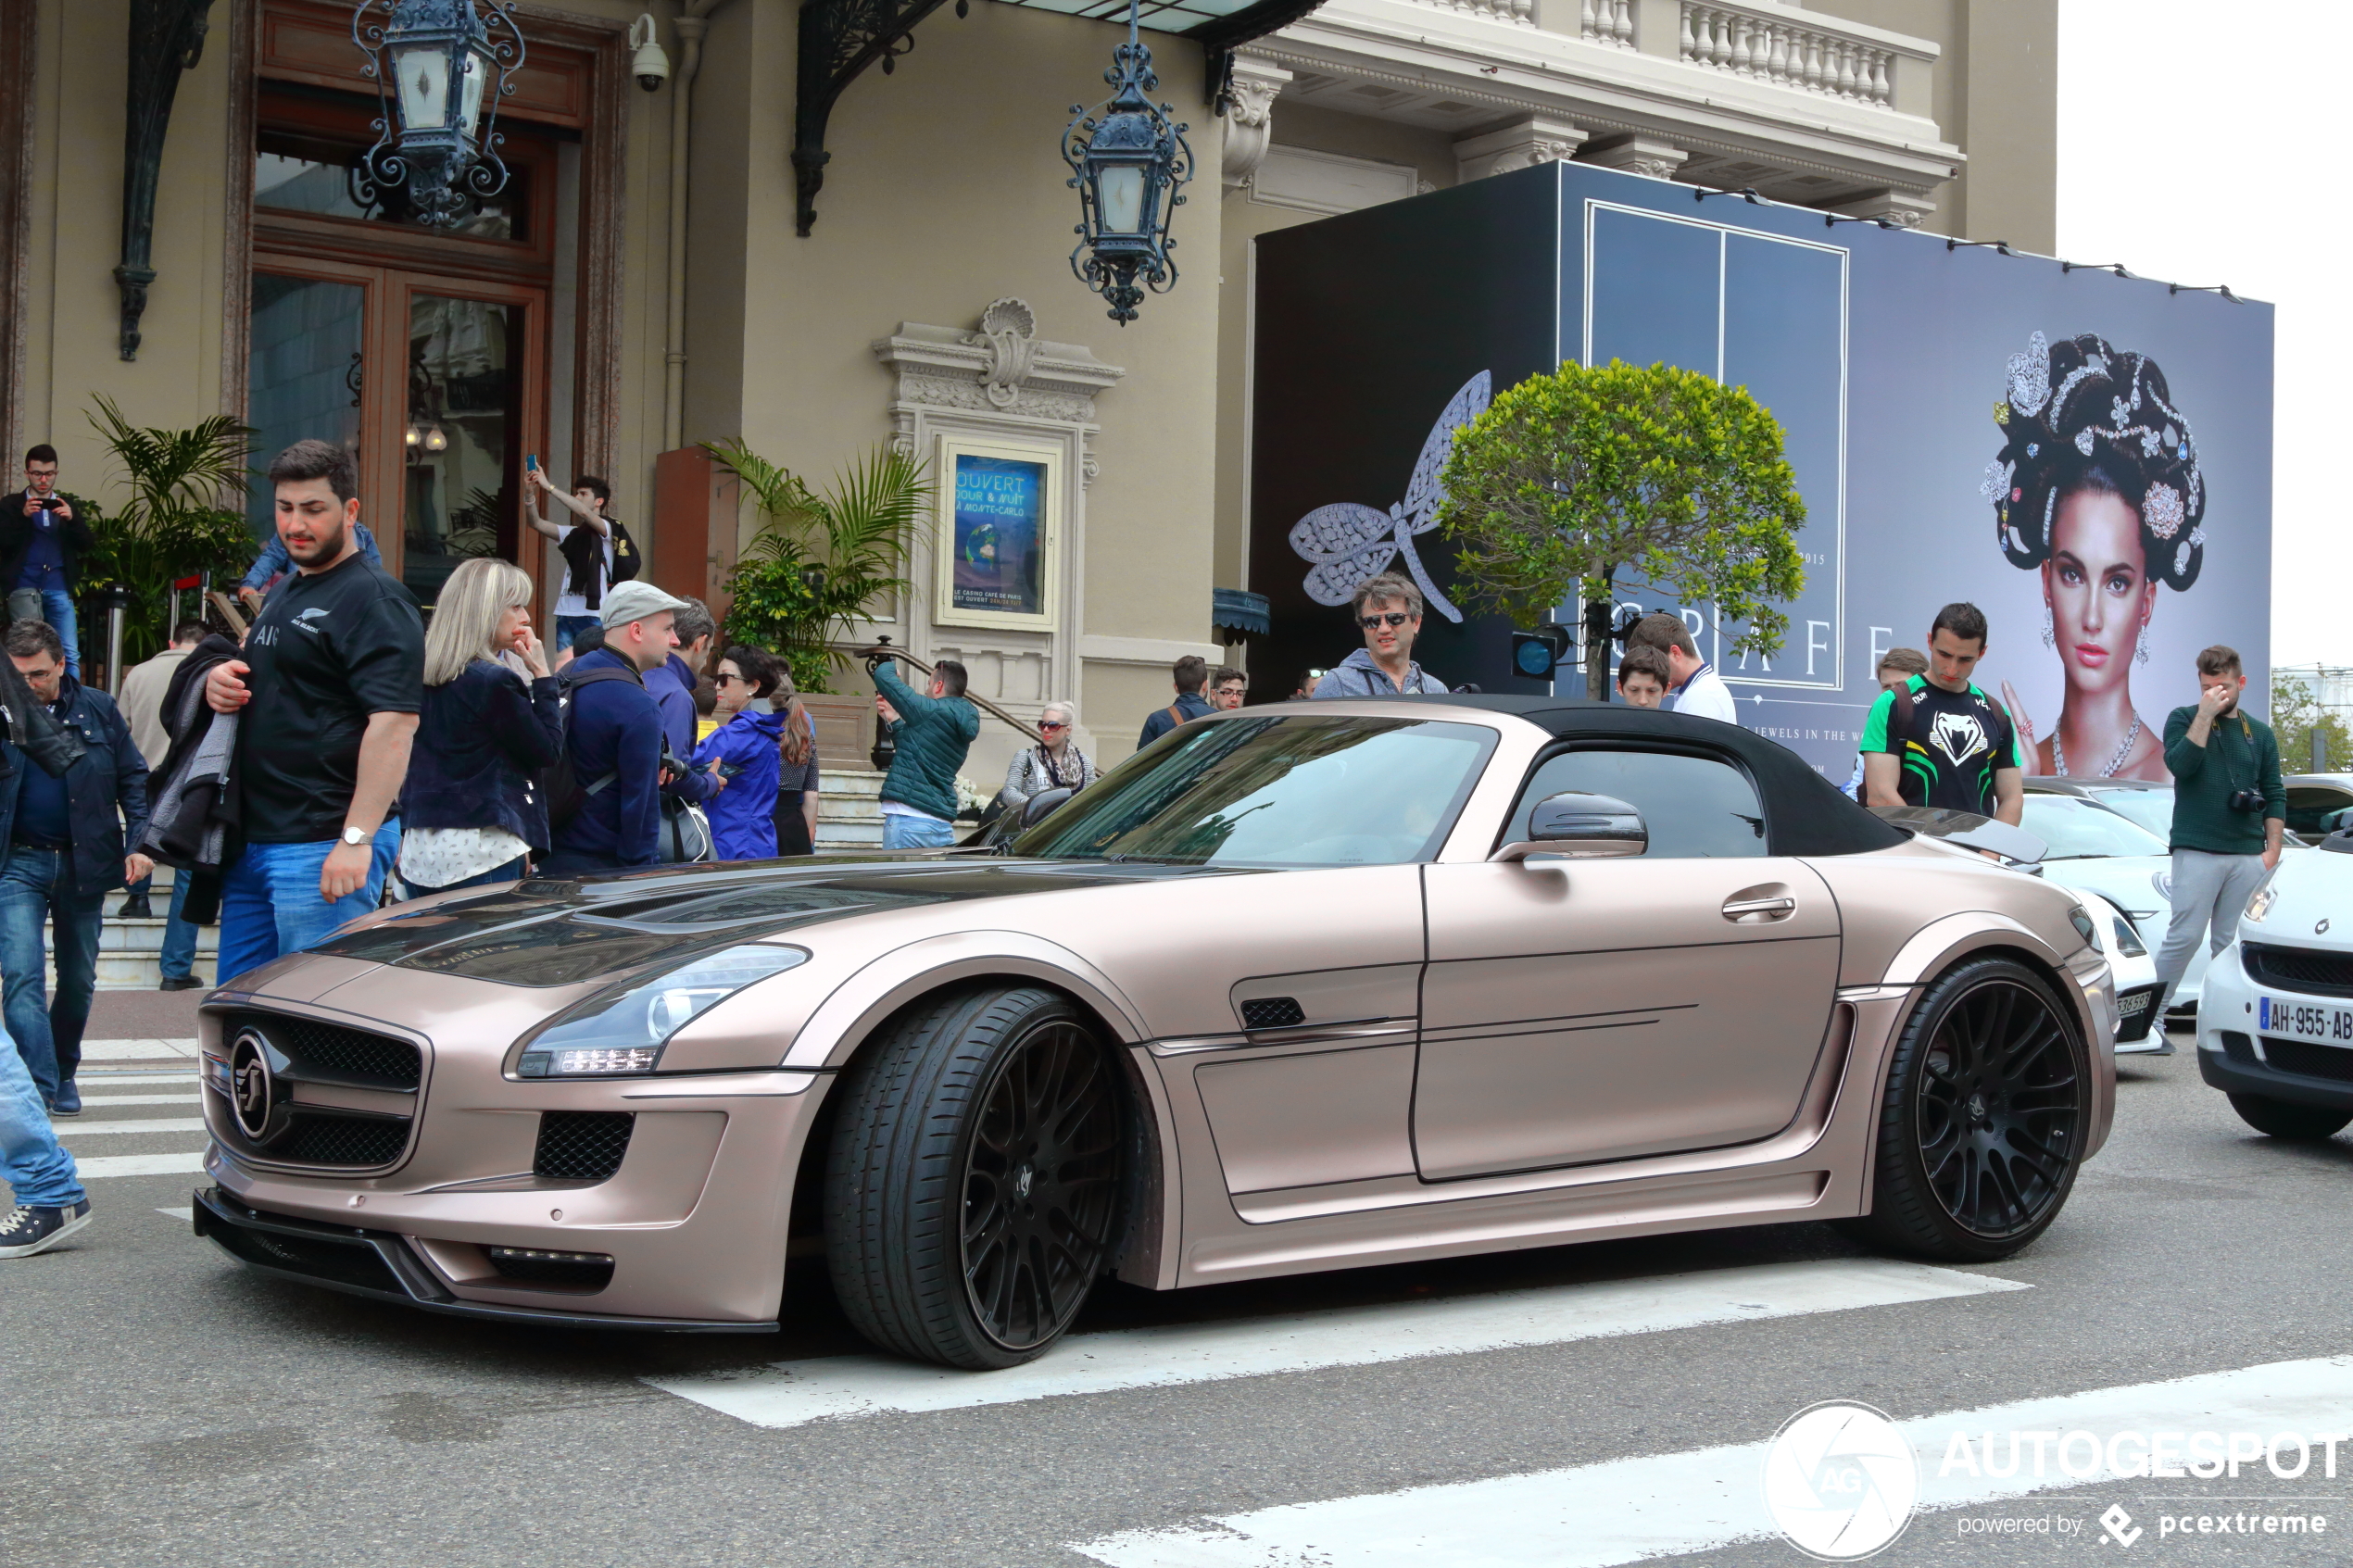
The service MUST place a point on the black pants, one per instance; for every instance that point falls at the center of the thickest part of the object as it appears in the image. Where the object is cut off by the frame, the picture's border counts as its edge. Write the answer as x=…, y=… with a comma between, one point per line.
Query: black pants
x=792, y=828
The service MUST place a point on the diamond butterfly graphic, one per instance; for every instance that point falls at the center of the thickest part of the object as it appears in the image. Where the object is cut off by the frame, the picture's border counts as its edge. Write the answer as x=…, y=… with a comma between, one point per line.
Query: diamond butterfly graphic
x=1346, y=543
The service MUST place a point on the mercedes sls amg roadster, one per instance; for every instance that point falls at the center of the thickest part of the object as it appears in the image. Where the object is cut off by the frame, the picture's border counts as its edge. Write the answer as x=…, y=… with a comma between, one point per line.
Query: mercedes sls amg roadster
x=1305, y=987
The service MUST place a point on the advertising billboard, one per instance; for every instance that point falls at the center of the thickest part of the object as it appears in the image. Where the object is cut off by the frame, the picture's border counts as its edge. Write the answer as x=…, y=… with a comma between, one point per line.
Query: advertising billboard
x=2085, y=456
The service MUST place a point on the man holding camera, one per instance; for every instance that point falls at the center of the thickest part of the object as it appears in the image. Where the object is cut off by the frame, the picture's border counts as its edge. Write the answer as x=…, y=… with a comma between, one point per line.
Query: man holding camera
x=43, y=537
x=2229, y=810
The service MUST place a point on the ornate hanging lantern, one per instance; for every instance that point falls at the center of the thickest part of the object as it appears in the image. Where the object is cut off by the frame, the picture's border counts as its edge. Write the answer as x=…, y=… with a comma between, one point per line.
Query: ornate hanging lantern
x=1129, y=163
x=439, y=76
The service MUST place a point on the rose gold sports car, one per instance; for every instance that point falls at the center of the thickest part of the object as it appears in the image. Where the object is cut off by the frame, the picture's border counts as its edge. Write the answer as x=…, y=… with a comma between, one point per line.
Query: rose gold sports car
x=1305, y=986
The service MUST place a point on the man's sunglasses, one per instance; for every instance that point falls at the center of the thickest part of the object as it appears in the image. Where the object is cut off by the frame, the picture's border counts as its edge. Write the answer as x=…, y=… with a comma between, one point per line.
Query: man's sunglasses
x=1394, y=617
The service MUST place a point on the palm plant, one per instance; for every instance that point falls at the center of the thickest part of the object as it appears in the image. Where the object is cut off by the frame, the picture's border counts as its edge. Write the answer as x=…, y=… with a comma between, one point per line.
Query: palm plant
x=177, y=521
x=819, y=564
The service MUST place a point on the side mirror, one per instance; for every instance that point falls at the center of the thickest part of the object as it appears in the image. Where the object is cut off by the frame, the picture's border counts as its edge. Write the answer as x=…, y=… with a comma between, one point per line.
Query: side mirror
x=1582, y=827
x=1041, y=805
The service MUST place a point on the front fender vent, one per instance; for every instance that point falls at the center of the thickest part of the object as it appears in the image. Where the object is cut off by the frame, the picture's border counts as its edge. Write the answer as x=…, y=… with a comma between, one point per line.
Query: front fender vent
x=1273, y=1012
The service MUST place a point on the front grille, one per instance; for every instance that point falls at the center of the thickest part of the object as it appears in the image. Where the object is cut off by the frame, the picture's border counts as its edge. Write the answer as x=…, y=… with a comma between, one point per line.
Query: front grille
x=354, y=1264
x=1273, y=1012
x=2238, y=1048
x=330, y=1053
x=2300, y=969
x=322, y=1137
x=582, y=1146
x=566, y=1271
x=2307, y=1059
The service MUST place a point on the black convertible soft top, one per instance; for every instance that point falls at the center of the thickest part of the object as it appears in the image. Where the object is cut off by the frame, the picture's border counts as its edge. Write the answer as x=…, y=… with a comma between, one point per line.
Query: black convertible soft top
x=1804, y=812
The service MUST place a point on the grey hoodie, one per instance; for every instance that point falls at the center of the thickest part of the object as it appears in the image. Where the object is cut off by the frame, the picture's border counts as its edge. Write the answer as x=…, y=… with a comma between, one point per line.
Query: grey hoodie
x=1357, y=675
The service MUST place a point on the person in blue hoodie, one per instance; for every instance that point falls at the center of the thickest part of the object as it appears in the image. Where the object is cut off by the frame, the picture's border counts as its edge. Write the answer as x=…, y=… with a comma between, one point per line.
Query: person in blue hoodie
x=743, y=755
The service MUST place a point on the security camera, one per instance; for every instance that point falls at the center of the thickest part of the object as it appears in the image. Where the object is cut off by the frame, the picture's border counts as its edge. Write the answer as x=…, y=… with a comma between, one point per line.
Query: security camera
x=649, y=65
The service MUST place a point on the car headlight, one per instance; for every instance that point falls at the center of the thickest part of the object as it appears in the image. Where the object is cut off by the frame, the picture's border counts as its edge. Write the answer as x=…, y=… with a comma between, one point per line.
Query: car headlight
x=2086, y=926
x=621, y=1031
x=2261, y=905
x=2128, y=941
x=2163, y=883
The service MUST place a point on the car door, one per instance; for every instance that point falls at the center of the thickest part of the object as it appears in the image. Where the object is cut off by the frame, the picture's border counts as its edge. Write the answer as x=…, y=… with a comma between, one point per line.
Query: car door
x=1577, y=1010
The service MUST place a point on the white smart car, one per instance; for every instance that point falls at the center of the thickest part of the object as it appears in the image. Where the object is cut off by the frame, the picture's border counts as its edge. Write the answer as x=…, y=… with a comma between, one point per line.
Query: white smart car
x=2275, y=1026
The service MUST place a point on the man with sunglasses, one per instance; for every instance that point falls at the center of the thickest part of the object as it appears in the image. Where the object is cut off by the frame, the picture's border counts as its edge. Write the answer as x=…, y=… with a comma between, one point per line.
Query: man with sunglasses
x=1389, y=609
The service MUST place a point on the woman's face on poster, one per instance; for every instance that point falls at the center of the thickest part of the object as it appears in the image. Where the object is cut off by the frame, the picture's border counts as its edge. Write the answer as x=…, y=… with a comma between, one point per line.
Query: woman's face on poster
x=2097, y=585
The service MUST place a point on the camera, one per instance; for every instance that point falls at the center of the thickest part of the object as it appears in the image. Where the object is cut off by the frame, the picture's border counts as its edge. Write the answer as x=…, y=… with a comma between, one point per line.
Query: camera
x=2246, y=800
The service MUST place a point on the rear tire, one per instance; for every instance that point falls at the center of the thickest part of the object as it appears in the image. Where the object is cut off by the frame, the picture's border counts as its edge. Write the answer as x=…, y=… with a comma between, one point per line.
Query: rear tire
x=1982, y=1122
x=973, y=1178
x=2286, y=1119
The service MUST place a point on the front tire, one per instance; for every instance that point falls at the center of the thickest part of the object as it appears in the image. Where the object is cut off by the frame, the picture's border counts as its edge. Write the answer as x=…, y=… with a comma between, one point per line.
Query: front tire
x=2286, y=1119
x=973, y=1178
x=1983, y=1123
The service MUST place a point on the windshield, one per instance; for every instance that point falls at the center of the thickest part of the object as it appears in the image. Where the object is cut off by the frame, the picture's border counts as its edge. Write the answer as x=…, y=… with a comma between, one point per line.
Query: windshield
x=2077, y=830
x=1287, y=791
x=2153, y=808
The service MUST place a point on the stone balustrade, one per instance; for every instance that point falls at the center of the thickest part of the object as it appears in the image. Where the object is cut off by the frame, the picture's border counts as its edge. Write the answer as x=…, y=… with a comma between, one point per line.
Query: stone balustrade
x=1517, y=13
x=1606, y=21
x=1764, y=43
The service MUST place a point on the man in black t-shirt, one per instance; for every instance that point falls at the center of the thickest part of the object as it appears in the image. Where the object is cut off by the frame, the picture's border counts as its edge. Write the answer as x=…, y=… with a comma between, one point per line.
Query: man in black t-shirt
x=328, y=695
x=1936, y=740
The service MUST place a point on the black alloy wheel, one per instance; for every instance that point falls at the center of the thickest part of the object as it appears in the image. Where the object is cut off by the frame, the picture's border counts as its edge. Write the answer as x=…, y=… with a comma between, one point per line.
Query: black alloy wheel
x=972, y=1181
x=1982, y=1125
x=2287, y=1119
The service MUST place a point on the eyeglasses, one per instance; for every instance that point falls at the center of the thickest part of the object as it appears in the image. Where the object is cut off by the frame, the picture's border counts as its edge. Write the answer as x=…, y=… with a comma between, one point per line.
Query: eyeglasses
x=1051, y=724
x=1395, y=618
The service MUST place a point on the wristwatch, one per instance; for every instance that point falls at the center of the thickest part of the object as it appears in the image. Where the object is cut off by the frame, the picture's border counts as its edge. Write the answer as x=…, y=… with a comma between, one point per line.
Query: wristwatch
x=355, y=837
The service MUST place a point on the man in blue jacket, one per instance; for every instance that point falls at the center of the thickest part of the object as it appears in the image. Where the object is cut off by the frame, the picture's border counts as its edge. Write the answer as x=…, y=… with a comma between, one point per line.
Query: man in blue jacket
x=63, y=842
x=672, y=685
x=613, y=736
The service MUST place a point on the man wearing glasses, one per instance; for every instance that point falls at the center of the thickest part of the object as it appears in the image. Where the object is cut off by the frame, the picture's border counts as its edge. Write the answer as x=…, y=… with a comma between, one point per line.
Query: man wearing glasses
x=1389, y=607
x=1228, y=687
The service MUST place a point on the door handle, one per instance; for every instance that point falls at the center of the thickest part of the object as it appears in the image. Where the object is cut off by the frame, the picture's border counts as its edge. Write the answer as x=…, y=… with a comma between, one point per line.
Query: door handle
x=1759, y=909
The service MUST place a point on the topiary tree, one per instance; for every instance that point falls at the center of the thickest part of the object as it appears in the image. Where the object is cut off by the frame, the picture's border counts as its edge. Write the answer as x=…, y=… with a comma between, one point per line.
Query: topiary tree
x=1666, y=476
x=819, y=564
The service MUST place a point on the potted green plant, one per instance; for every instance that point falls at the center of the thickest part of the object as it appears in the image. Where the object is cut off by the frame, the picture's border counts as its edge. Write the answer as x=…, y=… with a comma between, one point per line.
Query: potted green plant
x=183, y=514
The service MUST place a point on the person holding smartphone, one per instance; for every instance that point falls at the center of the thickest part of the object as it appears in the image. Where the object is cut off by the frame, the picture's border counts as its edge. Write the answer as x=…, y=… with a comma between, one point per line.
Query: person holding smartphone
x=745, y=757
x=2230, y=809
x=585, y=545
x=43, y=537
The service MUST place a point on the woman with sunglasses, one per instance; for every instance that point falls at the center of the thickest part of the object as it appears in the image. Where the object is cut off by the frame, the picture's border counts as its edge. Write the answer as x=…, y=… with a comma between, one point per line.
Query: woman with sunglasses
x=1055, y=763
x=743, y=752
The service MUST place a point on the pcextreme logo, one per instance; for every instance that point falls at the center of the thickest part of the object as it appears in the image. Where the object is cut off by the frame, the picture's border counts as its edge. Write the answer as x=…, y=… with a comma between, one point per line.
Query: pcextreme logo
x=1841, y=1481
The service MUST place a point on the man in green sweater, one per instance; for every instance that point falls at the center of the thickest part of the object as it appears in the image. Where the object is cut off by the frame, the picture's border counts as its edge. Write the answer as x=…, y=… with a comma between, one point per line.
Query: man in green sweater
x=933, y=732
x=2229, y=810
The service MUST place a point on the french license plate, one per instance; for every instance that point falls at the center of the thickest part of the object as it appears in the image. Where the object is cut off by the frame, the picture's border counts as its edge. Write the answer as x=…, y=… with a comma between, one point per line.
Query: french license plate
x=2306, y=1021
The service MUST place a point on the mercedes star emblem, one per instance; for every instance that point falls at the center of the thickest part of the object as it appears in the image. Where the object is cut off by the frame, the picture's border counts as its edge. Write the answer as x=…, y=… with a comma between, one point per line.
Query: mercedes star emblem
x=250, y=1089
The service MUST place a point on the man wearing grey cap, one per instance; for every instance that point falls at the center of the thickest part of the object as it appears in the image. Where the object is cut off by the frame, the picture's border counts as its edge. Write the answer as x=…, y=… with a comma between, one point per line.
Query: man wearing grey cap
x=612, y=736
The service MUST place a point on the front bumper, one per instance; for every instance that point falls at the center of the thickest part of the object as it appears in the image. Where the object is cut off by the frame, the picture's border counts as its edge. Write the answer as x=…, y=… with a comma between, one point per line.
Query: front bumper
x=382, y=1265
x=2135, y=1012
x=2234, y=1054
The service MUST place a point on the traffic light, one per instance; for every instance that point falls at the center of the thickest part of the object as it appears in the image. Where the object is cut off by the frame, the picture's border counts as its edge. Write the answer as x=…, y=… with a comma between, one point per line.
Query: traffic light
x=1536, y=654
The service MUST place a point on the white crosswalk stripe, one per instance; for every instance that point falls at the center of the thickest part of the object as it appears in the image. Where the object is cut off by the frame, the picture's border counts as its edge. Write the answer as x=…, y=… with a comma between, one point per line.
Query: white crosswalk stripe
x=790, y=1393
x=107, y=1165
x=141, y=1100
x=69, y=1130
x=1600, y=1516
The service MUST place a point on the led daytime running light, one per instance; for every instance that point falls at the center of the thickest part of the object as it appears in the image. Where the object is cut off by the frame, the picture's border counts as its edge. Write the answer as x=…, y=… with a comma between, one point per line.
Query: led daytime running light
x=621, y=1032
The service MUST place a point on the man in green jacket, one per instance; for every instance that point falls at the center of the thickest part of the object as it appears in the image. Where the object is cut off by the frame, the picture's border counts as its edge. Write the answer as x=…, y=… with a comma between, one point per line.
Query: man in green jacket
x=2229, y=810
x=933, y=732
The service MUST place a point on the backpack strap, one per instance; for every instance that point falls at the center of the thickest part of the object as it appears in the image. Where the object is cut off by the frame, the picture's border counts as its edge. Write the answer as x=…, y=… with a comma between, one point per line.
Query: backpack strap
x=1176, y=715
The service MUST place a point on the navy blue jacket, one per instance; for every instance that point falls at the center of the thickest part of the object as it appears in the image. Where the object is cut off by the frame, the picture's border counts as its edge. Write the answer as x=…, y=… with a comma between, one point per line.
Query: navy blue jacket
x=111, y=774
x=616, y=729
x=673, y=689
x=482, y=743
x=1187, y=707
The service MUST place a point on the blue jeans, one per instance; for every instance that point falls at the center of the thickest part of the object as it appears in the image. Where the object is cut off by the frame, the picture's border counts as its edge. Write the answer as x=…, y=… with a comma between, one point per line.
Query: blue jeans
x=179, y=955
x=570, y=626
x=36, y=887
x=916, y=833
x=55, y=607
x=31, y=1161
x=270, y=902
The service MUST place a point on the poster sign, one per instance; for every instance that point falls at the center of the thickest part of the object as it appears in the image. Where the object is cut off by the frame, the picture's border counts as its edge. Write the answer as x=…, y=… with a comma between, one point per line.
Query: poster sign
x=997, y=533
x=2085, y=457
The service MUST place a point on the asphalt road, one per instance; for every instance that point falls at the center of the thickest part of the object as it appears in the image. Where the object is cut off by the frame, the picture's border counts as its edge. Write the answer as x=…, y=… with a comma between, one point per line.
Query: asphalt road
x=160, y=1405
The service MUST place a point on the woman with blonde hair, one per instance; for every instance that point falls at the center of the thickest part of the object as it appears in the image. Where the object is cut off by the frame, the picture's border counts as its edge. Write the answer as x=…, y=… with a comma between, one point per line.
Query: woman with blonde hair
x=1055, y=763
x=473, y=811
x=796, y=780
